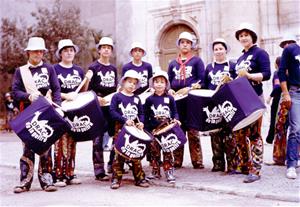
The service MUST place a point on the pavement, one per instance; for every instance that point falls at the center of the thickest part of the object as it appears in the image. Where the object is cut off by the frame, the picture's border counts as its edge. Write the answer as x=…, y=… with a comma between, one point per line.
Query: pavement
x=273, y=184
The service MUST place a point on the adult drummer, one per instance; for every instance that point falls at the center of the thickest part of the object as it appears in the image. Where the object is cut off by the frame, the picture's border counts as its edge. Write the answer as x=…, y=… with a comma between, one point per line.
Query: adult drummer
x=254, y=64
x=185, y=72
x=44, y=82
x=103, y=81
x=69, y=76
x=221, y=141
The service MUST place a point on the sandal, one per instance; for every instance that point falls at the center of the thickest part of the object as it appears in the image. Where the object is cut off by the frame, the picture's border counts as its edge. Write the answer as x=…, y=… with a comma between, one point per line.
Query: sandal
x=20, y=189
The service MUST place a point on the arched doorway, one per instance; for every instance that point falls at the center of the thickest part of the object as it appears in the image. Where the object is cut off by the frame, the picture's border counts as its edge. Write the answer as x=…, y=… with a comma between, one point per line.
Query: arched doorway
x=167, y=44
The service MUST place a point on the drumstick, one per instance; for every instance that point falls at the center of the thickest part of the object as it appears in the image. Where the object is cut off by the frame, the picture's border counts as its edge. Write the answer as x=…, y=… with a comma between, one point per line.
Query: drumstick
x=81, y=85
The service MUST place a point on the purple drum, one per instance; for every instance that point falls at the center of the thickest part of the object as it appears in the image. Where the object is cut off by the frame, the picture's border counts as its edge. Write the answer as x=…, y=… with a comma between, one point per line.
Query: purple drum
x=39, y=126
x=132, y=142
x=85, y=116
x=170, y=137
x=202, y=113
x=239, y=103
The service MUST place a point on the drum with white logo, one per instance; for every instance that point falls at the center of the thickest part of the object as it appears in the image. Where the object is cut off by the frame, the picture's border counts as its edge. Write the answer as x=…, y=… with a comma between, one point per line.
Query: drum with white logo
x=202, y=113
x=39, y=125
x=239, y=103
x=170, y=137
x=85, y=116
x=132, y=143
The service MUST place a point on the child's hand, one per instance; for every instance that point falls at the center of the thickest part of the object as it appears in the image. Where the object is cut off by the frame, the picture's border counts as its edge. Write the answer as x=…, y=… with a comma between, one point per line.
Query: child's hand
x=177, y=121
x=171, y=92
x=140, y=125
x=129, y=122
x=102, y=101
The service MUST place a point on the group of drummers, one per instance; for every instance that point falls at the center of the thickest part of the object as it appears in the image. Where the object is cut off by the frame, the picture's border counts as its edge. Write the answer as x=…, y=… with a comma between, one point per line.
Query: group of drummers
x=144, y=112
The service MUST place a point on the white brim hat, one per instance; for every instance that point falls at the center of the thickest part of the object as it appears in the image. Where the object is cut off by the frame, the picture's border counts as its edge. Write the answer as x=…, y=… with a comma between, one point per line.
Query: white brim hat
x=131, y=74
x=287, y=38
x=223, y=42
x=187, y=36
x=36, y=43
x=105, y=41
x=248, y=27
x=160, y=73
x=137, y=45
x=65, y=43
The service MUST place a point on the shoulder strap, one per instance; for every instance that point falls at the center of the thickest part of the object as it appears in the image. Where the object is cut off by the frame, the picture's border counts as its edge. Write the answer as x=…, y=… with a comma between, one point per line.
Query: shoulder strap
x=28, y=79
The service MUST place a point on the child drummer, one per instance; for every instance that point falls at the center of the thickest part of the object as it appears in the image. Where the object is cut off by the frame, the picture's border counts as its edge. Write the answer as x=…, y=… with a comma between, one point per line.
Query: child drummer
x=160, y=108
x=126, y=108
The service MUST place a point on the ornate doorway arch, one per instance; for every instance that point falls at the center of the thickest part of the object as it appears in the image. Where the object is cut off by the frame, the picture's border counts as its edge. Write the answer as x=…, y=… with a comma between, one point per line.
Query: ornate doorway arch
x=167, y=43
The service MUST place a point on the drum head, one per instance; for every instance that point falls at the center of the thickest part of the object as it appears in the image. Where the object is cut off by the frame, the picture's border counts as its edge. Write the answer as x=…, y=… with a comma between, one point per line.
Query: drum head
x=81, y=100
x=202, y=92
x=108, y=98
x=249, y=119
x=178, y=97
x=138, y=133
x=144, y=96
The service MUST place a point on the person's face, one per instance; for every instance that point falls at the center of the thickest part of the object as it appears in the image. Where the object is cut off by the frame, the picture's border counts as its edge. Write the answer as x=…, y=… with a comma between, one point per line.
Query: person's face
x=159, y=84
x=245, y=39
x=67, y=54
x=35, y=56
x=185, y=46
x=130, y=85
x=105, y=50
x=137, y=53
x=219, y=51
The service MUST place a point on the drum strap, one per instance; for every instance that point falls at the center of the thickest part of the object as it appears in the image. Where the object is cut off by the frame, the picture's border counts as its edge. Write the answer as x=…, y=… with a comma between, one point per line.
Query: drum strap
x=28, y=79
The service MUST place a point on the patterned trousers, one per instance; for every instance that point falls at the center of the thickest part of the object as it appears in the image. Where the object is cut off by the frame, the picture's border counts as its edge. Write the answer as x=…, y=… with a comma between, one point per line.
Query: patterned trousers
x=250, y=148
x=223, y=143
x=195, y=150
x=64, y=157
x=119, y=160
x=168, y=159
x=27, y=168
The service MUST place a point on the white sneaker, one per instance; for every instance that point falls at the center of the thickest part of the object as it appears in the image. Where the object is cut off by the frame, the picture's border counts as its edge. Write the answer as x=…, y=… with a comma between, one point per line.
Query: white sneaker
x=291, y=173
x=60, y=184
x=75, y=181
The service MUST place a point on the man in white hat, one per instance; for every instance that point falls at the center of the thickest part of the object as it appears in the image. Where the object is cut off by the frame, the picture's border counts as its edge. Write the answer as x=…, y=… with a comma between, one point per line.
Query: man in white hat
x=32, y=80
x=185, y=72
x=144, y=69
x=103, y=81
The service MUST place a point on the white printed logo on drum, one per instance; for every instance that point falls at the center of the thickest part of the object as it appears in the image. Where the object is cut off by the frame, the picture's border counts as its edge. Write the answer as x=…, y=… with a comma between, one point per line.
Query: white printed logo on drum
x=39, y=129
x=227, y=110
x=214, y=116
x=161, y=111
x=188, y=72
x=130, y=112
x=133, y=149
x=107, y=80
x=70, y=82
x=144, y=78
x=41, y=80
x=81, y=124
x=170, y=142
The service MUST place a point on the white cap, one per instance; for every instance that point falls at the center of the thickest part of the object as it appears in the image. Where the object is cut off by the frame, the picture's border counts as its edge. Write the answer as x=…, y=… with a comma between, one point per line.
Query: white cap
x=105, y=41
x=160, y=73
x=65, y=43
x=287, y=37
x=35, y=43
x=222, y=41
x=131, y=74
x=187, y=36
x=7, y=94
x=137, y=45
x=249, y=27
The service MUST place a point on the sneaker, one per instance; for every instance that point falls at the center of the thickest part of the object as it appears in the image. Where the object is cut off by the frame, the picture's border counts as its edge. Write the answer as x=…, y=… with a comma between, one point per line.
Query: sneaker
x=102, y=177
x=60, y=183
x=20, y=189
x=75, y=181
x=291, y=173
x=50, y=188
x=198, y=166
x=155, y=174
x=170, y=177
x=251, y=178
x=115, y=184
x=143, y=183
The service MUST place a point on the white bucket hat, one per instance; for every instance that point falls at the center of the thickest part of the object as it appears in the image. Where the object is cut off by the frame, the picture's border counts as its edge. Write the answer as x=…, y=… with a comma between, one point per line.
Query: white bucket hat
x=160, y=73
x=131, y=74
x=137, y=45
x=287, y=38
x=105, y=41
x=35, y=43
x=248, y=27
x=187, y=36
x=222, y=41
x=65, y=43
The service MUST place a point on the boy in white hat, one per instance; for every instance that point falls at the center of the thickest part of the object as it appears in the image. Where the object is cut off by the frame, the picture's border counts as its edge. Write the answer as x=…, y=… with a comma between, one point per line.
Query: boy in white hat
x=126, y=109
x=144, y=69
x=45, y=81
x=103, y=81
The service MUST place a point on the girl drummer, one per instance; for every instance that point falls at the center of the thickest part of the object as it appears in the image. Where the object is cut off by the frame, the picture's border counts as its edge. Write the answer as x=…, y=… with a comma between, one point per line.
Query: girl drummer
x=69, y=76
x=125, y=109
x=254, y=64
x=221, y=141
x=160, y=107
